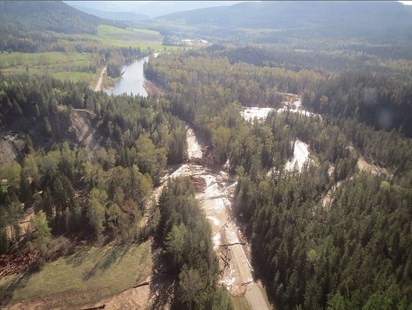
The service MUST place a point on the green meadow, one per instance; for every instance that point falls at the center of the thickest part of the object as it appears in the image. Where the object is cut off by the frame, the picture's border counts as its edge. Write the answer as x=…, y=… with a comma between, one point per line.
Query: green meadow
x=132, y=37
x=85, y=277
x=76, y=66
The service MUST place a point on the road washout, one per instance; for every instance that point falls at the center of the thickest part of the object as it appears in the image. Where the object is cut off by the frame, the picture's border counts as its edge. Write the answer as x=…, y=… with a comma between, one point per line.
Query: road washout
x=363, y=166
x=292, y=103
x=300, y=156
x=250, y=113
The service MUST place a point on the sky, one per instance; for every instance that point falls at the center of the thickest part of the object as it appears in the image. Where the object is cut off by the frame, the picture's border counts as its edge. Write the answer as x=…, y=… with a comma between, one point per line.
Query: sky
x=150, y=8
x=155, y=8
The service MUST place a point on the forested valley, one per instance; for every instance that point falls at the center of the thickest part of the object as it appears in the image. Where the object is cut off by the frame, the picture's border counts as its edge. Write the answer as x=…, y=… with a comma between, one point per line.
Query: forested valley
x=351, y=253
x=85, y=174
x=134, y=141
x=100, y=189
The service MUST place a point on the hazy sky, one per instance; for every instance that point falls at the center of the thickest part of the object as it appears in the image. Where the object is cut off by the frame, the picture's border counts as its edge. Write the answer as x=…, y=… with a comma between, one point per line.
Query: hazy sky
x=155, y=8
x=151, y=8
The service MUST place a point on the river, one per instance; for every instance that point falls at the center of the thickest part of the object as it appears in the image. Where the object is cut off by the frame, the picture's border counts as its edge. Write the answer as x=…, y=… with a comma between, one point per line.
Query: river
x=132, y=80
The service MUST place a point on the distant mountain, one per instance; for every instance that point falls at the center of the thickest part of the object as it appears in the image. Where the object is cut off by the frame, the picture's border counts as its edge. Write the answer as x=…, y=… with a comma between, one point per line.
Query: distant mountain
x=117, y=16
x=45, y=15
x=149, y=8
x=364, y=20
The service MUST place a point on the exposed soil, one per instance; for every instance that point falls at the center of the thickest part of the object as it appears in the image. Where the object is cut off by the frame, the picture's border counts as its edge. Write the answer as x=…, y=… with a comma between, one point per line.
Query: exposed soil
x=99, y=82
x=84, y=129
x=364, y=166
x=136, y=297
x=300, y=156
x=153, y=89
x=8, y=151
x=199, y=183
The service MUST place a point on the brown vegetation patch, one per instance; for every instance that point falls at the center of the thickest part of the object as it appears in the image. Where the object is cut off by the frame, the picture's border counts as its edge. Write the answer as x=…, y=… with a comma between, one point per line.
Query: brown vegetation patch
x=199, y=183
x=154, y=90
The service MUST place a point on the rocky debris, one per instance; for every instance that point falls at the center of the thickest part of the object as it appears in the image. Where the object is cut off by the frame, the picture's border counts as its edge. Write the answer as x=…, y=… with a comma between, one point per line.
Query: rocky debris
x=233, y=243
x=199, y=183
x=208, y=159
x=10, y=147
x=17, y=263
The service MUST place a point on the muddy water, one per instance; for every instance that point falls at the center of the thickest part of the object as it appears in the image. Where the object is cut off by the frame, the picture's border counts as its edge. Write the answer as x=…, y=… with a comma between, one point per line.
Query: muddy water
x=237, y=272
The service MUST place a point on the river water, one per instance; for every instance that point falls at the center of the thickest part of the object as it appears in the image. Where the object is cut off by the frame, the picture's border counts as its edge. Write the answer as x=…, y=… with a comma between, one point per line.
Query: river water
x=132, y=80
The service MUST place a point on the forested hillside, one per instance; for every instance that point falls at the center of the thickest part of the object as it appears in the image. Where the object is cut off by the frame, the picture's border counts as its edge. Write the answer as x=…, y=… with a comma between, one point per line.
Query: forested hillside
x=187, y=243
x=46, y=15
x=283, y=21
x=104, y=192
x=118, y=16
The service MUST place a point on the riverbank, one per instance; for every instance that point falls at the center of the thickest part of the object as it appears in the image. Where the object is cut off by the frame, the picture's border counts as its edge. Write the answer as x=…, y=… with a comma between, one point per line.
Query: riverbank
x=154, y=90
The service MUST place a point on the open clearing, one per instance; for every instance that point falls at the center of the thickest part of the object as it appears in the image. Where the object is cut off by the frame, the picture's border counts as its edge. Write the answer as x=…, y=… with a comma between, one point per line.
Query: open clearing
x=62, y=59
x=132, y=37
x=72, y=66
x=75, y=66
x=88, y=276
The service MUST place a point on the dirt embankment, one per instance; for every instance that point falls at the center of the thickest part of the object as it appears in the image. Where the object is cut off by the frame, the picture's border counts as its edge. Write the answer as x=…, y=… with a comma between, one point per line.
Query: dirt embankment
x=82, y=124
x=364, y=166
x=153, y=89
x=10, y=147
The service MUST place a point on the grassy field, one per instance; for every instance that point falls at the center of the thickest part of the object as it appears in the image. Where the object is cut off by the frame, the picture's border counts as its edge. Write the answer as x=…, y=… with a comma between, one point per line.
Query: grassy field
x=46, y=59
x=82, y=278
x=129, y=37
x=76, y=66
x=71, y=66
x=73, y=76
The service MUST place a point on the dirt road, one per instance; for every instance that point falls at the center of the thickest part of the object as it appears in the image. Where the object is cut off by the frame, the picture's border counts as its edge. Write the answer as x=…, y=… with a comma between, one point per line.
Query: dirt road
x=99, y=82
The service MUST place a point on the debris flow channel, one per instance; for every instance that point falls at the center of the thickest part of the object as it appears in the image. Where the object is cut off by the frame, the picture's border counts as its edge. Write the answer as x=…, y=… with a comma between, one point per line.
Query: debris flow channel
x=230, y=246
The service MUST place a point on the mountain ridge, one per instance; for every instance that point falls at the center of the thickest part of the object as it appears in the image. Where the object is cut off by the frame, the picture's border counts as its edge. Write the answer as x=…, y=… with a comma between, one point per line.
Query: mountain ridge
x=46, y=16
x=118, y=16
x=380, y=20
